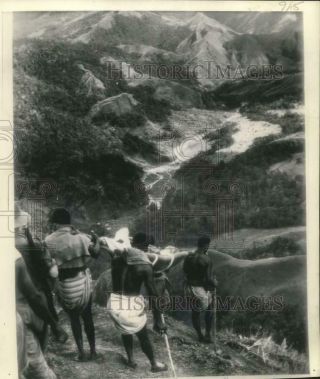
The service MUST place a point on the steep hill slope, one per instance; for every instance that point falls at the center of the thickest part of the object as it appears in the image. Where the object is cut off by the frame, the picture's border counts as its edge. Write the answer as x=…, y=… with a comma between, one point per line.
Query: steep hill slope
x=235, y=93
x=259, y=198
x=237, y=355
x=206, y=40
x=264, y=277
x=243, y=239
x=267, y=296
x=283, y=49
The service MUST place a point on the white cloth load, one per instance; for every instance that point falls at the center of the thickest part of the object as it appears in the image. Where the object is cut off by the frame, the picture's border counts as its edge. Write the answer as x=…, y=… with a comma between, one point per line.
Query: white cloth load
x=161, y=259
x=120, y=242
x=127, y=312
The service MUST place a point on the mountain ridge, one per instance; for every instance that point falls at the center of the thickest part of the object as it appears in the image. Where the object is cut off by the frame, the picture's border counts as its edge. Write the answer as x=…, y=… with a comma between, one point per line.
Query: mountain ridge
x=198, y=38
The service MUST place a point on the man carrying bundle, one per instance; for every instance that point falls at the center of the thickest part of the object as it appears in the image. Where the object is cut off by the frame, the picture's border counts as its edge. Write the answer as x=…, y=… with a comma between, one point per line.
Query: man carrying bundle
x=41, y=267
x=130, y=270
x=72, y=251
x=33, y=310
x=200, y=281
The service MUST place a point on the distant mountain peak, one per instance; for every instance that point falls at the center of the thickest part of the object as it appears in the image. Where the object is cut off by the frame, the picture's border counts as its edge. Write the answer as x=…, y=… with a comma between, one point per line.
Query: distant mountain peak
x=172, y=20
x=200, y=20
x=260, y=22
x=206, y=42
x=132, y=14
x=107, y=21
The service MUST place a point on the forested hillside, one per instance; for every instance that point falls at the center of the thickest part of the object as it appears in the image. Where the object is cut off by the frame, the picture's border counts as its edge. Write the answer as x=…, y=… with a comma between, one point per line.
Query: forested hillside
x=108, y=108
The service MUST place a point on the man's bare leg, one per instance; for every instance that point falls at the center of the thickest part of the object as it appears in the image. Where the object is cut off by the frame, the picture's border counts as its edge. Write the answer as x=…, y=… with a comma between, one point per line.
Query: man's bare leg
x=77, y=333
x=196, y=322
x=147, y=348
x=208, y=322
x=89, y=329
x=127, y=340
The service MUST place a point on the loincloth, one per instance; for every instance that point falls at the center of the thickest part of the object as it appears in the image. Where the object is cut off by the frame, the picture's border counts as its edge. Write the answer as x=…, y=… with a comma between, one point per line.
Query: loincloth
x=127, y=312
x=75, y=293
x=203, y=297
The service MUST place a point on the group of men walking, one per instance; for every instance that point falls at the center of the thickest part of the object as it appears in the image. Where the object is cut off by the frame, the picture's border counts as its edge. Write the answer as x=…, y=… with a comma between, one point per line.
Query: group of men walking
x=60, y=264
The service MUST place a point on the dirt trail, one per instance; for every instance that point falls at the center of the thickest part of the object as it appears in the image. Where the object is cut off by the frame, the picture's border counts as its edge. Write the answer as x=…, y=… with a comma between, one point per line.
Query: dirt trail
x=190, y=357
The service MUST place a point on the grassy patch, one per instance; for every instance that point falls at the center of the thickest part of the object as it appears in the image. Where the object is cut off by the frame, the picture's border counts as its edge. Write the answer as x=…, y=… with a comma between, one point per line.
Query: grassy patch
x=279, y=247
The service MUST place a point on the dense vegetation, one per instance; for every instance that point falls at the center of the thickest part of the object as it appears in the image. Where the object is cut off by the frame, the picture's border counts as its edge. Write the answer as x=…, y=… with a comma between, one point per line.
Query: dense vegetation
x=54, y=137
x=155, y=110
x=233, y=94
x=51, y=119
x=279, y=247
x=258, y=199
x=284, y=49
x=282, y=324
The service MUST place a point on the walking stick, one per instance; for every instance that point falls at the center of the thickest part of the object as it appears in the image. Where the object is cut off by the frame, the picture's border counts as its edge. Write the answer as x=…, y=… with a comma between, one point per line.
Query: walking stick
x=168, y=349
x=214, y=295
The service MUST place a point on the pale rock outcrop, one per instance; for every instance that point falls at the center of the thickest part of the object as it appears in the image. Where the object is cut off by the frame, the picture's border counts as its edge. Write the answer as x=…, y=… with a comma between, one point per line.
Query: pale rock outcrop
x=119, y=105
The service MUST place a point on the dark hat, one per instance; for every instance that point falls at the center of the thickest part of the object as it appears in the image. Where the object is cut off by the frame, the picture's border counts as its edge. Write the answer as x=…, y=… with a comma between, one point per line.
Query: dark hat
x=60, y=216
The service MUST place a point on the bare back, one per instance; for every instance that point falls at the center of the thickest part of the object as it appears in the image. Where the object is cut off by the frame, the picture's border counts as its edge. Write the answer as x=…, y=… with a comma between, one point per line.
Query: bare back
x=128, y=279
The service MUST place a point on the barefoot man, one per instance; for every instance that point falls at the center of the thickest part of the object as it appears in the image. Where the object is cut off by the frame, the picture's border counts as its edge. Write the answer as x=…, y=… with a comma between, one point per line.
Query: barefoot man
x=72, y=251
x=130, y=270
x=200, y=281
x=33, y=313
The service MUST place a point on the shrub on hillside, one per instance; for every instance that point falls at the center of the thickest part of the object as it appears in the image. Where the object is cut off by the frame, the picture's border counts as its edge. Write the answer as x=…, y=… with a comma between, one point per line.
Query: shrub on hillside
x=155, y=110
x=222, y=137
x=134, y=145
x=290, y=122
x=233, y=94
x=56, y=63
x=279, y=247
x=128, y=120
x=286, y=323
x=83, y=159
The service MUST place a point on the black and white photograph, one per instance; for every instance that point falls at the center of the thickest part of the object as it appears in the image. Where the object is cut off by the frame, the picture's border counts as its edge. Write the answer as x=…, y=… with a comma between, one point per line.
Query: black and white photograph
x=160, y=193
